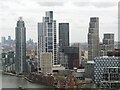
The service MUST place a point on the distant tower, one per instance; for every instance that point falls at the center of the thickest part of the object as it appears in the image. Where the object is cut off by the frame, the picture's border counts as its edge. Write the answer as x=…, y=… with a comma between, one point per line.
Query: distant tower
x=93, y=38
x=47, y=36
x=119, y=24
x=3, y=40
x=20, y=32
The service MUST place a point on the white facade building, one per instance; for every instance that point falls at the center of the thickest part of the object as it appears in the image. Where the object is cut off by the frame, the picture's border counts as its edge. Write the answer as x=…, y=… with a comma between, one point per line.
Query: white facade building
x=47, y=36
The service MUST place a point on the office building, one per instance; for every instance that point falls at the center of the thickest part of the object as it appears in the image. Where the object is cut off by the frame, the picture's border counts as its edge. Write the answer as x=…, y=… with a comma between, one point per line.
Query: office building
x=63, y=43
x=71, y=57
x=8, y=61
x=63, y=35
x=111, y=78
x=20, y=35
x=47, y=36
x=46, y=62
x=79, y=47
x=107, y=71
x=63, y=59
x=89, y=70
x=93, y=38
x=107, y=45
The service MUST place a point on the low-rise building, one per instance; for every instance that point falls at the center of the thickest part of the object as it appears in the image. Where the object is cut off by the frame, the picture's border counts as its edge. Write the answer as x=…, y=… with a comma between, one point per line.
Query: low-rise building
x=89, y=70
x=111, y=77
x=46, y=62
x=8, y=61
x=79, y=74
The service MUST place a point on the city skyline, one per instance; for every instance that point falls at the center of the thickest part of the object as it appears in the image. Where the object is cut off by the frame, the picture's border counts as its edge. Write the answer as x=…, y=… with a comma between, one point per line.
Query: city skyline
x=77, y=13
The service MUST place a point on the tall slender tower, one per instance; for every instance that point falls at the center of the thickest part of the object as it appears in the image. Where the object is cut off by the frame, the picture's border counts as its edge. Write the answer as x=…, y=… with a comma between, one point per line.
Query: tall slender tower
x=47, y=36
x=93, y=38
x=63, y=43
x=119, y=24
x=20, y=32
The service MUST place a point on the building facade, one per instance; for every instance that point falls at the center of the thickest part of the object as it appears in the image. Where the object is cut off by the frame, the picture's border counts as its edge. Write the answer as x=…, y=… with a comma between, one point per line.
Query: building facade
x=107, y=45
x=79, y=47
x=102, y=63
x=89, y=69
x=63, y=34
x=46, y=62
x=93, y=38
x=20, y=35
x=63, y=43
x=47, y=36
x=8, y=61
x=72, y=55
x=111, y=78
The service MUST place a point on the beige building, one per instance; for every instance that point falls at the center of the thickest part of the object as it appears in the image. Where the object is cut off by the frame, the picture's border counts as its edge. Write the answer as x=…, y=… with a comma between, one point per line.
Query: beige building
x=93, y=38
x=46, y=62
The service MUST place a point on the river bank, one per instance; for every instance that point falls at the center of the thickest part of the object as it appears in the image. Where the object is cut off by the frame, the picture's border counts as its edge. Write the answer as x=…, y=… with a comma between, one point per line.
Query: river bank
x=55, y=81
x=12, y=81
x=12, y=74
x=27, y=78
x=50, y=80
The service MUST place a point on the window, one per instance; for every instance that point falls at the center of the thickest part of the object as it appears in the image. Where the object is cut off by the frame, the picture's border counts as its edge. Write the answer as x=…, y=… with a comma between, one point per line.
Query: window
x=49, y=34
x=50, y=39
x=50, y=47
x=49, y=30
x=50, y=43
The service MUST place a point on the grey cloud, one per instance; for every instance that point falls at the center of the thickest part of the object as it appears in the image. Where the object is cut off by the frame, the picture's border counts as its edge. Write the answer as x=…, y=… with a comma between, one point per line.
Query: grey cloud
x=95, y=4
x=82, y=4
x=49, y=3
x=104, y=4
x=5, y=4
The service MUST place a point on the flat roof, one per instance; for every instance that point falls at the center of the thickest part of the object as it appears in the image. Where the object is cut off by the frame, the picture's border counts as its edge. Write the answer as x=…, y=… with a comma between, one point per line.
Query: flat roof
x=92, y=62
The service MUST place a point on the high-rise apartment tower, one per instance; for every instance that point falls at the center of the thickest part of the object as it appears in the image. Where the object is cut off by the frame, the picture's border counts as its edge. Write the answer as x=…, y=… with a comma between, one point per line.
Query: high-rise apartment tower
x=93, y=38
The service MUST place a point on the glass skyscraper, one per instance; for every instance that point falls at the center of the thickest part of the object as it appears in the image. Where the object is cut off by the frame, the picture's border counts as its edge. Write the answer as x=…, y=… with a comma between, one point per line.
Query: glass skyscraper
x=63, y=34
x=47, y=36
x=63, y=43
x=20, y=61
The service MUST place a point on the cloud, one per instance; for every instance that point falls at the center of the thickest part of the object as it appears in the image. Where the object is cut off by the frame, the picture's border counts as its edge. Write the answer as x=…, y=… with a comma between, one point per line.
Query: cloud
x=81, y=4
x=51, y=3
x=95, y=4
x=104, y=4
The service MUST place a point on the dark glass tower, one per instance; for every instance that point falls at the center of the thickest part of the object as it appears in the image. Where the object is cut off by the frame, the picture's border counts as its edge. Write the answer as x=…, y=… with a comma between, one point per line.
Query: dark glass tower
x=63, y=43
x=63, y=35
x=20, y=32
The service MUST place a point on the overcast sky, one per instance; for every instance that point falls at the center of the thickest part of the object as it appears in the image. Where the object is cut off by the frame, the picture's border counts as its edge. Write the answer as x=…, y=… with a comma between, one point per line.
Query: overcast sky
x=76, y=12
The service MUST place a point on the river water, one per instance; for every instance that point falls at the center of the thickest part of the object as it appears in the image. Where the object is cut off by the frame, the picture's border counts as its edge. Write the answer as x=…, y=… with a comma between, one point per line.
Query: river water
x=7, y=81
